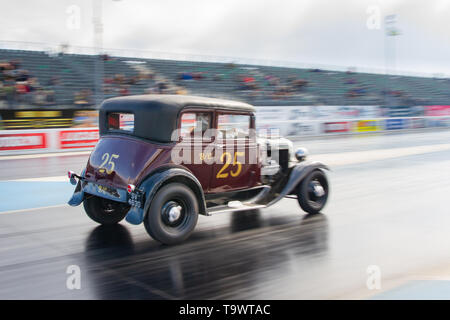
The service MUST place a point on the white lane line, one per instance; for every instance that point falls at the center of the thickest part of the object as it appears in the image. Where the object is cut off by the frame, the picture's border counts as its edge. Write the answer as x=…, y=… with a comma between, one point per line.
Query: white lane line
x=355, y=157
x=42, y=179
x=45, y=155
x=34, y=209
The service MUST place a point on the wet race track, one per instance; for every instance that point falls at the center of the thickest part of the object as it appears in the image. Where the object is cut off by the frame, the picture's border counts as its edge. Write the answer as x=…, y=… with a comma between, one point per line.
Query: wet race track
x=388, y=208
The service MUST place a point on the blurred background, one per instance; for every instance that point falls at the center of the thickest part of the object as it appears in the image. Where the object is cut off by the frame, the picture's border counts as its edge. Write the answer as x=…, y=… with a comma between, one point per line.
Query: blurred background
x=71, y=55
x=364, y=84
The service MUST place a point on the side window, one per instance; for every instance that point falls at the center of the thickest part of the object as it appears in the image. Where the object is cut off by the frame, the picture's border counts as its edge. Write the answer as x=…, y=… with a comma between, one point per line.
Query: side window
x=194, y=122
x=233, y=126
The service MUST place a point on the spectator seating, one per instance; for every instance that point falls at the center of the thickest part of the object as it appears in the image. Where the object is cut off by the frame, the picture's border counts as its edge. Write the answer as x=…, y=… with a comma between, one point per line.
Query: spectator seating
x=72, y=78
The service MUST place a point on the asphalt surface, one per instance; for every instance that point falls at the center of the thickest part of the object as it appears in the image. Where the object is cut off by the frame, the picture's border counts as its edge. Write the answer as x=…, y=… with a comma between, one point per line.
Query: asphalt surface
x=391, y=213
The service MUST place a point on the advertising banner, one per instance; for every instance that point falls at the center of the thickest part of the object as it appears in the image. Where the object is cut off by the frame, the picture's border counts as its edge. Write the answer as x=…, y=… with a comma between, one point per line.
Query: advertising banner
x=396, y=124
x=417, y=123
x=271, y=114
x=73, y=139
x=336, y=127
x=304, y=128
x=272, y=129
x=280, y=113
x=299, y=113
x=401, y=111
x=367, y=126
x=433, y=111
x=23, y=141
x=344, y=112
x=85, y=119
x=47, y=119
x=438, y=122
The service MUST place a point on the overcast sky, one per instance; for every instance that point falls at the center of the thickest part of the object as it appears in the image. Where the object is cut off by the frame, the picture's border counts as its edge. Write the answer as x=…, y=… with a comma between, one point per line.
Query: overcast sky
x=328, y=32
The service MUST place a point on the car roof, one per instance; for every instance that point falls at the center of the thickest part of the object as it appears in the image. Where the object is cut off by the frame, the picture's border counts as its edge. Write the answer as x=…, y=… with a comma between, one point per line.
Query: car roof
x=178, y=101
x=156, y=116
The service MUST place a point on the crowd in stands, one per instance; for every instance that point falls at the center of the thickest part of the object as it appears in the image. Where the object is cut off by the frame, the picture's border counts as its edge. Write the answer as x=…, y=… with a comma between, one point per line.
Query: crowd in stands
x=18, y=85
x=84, y=97
x=245, y=80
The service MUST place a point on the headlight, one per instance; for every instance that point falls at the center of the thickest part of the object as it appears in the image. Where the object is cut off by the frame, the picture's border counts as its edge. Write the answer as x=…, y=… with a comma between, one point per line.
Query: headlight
x=301, y=154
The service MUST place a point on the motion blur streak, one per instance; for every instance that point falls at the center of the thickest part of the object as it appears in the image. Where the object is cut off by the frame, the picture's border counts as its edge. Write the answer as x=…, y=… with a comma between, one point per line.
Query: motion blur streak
x=380, y=208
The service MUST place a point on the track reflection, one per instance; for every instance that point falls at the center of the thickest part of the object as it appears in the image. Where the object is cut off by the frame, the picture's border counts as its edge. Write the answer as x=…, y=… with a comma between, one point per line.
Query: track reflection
x=206, y=267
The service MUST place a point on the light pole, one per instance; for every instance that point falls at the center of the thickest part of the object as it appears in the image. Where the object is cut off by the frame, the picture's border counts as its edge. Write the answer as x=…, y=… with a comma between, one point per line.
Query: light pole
x=391, y=32
x=97, y=20
x=98, y=48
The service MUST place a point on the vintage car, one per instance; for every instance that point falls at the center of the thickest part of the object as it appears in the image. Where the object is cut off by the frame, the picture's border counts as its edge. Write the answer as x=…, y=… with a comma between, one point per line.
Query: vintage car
x=165, y=159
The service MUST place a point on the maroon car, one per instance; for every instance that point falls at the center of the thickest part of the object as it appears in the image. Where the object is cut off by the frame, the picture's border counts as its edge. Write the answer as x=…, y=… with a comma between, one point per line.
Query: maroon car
x=164, y=159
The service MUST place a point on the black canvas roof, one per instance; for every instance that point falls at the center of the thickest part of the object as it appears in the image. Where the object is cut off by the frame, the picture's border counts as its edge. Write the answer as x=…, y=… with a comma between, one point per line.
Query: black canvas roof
x=156, y=116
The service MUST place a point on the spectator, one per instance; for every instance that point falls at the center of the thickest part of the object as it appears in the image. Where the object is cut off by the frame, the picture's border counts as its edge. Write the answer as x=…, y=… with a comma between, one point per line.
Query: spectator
x=124, y=91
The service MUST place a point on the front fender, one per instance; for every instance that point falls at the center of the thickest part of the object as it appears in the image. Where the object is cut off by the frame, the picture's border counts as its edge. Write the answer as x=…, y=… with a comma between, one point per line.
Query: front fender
x=151, y=185
x=297, y=174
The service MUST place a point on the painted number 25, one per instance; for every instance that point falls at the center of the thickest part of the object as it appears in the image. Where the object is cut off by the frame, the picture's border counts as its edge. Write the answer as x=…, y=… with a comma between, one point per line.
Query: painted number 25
x=221, y=174
x=108, y=163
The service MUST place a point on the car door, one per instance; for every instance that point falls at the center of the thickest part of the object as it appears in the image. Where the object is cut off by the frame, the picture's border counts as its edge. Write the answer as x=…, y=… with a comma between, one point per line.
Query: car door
x=193, y=126
x=233, y=169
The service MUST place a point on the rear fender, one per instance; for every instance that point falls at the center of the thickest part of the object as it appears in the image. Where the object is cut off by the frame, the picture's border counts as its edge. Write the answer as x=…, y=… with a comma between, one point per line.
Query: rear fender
x=78, y=195
x=155, y=181
x=297, y=174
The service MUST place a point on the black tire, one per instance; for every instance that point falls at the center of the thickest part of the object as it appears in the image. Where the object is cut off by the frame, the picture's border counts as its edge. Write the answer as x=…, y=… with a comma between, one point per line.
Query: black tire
x=105, y=211
x=306, y=197
x=158, y=223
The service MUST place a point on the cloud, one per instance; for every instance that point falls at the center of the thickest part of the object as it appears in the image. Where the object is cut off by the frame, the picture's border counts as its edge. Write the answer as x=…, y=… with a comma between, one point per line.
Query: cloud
x=314, y=31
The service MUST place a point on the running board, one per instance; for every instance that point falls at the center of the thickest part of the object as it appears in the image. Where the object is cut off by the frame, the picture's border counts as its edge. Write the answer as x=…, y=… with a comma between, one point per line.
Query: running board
x=227, y=208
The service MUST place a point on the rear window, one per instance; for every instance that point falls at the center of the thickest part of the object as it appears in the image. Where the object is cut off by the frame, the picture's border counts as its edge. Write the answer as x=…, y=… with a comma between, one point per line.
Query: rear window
x=121, y=122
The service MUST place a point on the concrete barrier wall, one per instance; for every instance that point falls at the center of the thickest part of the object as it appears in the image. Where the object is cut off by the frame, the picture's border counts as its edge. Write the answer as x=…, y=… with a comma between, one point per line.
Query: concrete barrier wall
x=287, y=121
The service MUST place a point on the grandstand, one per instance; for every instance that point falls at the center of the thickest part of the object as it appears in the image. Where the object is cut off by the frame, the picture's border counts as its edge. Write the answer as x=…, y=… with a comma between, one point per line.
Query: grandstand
x=37, y=78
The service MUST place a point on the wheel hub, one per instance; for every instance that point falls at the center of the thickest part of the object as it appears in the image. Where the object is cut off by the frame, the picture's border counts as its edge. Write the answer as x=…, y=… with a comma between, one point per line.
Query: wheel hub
x=172, y=213
x=318, y=189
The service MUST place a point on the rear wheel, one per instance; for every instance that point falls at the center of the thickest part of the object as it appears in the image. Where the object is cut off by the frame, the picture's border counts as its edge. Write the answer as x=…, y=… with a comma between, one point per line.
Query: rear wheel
x=105, y=211
x=173, y=214
x=312, y=192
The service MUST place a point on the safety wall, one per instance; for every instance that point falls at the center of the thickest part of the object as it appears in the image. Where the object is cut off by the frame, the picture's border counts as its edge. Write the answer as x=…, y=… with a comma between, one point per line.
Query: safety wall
x=333, y=120
x=47, y=140
x=286, y=121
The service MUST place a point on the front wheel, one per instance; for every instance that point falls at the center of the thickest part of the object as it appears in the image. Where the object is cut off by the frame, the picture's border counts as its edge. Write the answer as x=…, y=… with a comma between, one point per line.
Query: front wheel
x=105, y=211
x=312, y=192
x=173, y=214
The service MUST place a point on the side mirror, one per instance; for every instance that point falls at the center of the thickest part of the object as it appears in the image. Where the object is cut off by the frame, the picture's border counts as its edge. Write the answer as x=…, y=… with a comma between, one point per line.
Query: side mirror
x=301, y=154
